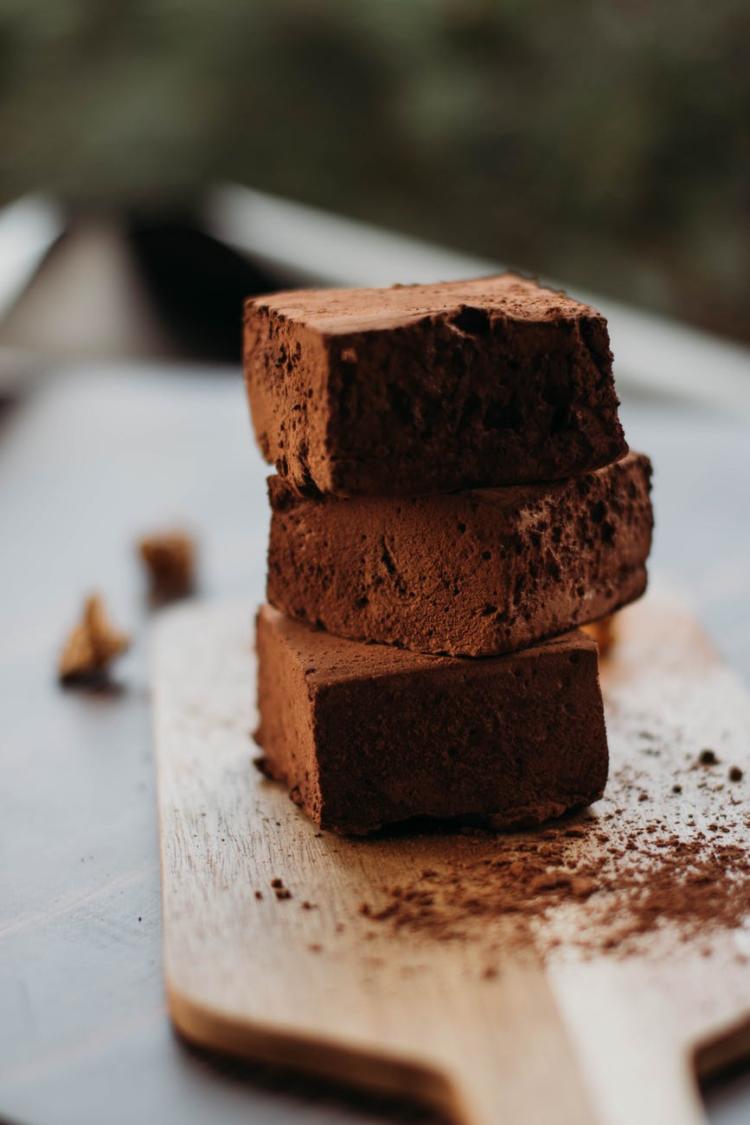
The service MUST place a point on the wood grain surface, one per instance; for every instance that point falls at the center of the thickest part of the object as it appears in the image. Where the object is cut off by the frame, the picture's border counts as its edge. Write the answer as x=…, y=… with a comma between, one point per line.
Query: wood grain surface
x=573, y=1037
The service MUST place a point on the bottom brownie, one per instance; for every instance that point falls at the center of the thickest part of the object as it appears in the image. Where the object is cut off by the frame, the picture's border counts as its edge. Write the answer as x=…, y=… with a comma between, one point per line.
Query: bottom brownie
x=368, y=735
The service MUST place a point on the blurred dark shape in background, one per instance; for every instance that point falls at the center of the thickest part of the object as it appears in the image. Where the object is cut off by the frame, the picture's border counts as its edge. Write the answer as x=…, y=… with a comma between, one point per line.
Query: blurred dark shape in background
x=607, y=145
x=196, y=283
x=124, y=283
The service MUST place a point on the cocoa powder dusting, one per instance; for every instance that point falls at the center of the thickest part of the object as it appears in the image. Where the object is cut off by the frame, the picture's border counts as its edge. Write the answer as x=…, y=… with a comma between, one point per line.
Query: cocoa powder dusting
x=671, y=857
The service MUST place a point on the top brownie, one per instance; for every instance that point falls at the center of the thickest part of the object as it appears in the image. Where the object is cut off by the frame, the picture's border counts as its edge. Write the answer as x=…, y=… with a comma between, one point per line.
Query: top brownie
x=430, y=388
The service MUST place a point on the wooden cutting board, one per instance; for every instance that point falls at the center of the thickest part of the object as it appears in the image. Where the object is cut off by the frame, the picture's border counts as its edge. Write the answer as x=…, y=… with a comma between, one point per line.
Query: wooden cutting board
x=486, y=1027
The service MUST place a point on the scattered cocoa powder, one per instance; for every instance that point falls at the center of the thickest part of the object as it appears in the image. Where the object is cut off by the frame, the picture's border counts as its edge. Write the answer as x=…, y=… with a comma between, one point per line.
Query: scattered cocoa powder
x=597, y=883
x=633, y=891
x=280, y=890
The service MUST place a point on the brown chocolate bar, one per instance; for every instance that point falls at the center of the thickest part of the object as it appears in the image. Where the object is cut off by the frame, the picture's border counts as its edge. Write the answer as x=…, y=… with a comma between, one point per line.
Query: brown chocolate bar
x=368, y=735
x=473, y=573
x=430, y=388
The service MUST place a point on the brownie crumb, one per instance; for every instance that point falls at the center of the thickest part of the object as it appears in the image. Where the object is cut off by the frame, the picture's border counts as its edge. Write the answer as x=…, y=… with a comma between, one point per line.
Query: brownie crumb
x=707, y=758
x=676, y=788
x=604, y=632
x=92, y=646
x=735, y=774
x=169, y=558
x=282, y=893
x=259, y=895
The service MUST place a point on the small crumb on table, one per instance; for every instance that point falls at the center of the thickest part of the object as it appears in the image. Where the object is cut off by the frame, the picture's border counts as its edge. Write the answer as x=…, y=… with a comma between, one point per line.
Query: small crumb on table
x=92, y=645
x=604, y=632
x=169, y=558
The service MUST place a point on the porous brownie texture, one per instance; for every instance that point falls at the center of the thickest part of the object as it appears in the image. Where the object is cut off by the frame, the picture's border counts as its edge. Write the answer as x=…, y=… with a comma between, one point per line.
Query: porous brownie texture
x=473, y=573
x=370, y=735
x=429, y=388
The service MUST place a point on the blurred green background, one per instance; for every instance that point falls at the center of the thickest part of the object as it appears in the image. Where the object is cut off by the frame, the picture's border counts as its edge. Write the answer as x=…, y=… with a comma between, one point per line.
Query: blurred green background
x=604, y=144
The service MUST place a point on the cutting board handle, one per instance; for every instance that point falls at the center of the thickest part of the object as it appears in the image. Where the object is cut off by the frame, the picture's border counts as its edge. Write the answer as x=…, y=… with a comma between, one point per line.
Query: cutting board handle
x=555, y=1094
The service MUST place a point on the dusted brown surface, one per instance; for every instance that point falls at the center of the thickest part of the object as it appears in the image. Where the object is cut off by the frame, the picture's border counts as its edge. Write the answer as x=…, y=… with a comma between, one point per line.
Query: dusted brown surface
x=430, y=388
x=473, y=573
x=367, y=735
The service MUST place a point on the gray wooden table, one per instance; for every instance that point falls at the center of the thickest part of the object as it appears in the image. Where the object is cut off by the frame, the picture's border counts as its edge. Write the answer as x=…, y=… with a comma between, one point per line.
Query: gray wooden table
x=88, y=461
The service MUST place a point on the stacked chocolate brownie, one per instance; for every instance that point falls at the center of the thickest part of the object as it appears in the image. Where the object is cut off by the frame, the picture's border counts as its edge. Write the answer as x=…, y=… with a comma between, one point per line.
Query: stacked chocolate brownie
x=454, y=497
